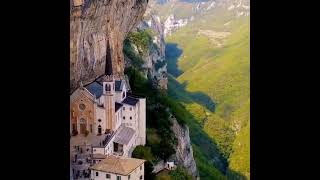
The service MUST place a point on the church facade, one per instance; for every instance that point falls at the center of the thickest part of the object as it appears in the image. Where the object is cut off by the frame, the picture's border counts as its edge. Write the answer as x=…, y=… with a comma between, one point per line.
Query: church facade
x=105, y=108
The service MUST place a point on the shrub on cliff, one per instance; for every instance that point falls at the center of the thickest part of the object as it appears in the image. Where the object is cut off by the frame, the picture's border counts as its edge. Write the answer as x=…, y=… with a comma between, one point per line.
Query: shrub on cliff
x=141, y=39
x=180, y=174
x=143, y=152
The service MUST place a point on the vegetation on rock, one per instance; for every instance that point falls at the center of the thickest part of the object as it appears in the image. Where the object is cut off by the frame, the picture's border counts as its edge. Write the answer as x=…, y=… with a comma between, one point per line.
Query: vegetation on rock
x=179, y=173
x=160, y=138
x=141, y=39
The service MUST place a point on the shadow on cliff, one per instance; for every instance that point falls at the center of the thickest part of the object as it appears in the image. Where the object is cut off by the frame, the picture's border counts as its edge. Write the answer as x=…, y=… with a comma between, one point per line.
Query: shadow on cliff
x=179, y=91
x=205, y=148
x=234, y=175
x=173, y=52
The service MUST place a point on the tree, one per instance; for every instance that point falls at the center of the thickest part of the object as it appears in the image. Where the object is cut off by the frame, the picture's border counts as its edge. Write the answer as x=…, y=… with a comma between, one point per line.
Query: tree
x=165, y=149
x=148, y=168
x=180, y=174
x=143, y=152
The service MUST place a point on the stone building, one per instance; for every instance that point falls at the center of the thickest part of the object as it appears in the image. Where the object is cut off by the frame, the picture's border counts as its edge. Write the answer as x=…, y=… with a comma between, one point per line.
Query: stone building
x=118, y=168
x=106, y=108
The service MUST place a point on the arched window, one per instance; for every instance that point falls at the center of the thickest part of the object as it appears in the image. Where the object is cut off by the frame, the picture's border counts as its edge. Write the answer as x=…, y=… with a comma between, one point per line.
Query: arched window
x=99, y=129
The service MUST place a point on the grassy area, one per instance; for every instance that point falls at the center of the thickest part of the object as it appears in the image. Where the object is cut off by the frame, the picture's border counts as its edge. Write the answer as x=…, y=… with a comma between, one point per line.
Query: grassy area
x=239, y=162
x=213, y=83
x=178, y=174
x=209, y=90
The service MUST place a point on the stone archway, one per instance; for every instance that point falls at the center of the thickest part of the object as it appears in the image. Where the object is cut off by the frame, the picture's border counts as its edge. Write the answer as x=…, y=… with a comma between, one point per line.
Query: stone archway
x=83, y=126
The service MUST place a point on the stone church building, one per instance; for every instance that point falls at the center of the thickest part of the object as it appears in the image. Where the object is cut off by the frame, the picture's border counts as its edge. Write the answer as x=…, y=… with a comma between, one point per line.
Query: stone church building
x=106, y=108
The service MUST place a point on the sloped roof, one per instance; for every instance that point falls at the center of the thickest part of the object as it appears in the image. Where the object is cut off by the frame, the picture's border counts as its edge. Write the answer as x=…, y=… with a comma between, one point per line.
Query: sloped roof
x=118, y=106
x=130, y=100
x=95, y=88
x=124, y=135
x=118, y=165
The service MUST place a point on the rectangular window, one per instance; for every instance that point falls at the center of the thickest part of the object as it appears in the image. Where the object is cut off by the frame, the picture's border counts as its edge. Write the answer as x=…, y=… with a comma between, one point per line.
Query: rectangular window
x=123, y=108
x=118, y=177
x=124, y=117
x=108, y=176
x=140, y=177
x=130, y=117
x=130, y=108
x=129, y=177
x=91, y=128
x=74, y=127
x=140, y=168
x=97, y=174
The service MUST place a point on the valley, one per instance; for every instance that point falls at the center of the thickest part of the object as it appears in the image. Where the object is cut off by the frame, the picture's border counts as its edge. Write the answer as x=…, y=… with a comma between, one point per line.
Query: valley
x=209, y=73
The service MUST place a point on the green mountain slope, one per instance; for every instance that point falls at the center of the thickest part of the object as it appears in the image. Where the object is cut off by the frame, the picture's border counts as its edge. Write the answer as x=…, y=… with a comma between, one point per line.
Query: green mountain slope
x=211, y=77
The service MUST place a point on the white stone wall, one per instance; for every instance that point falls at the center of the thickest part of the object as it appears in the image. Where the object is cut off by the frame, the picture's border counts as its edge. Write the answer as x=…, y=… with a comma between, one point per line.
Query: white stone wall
x=100, y=114
x=118, y=118
x=128, y=148
x=119, y=97
x=97, y=150
x=109, y=148
x=102, y=176
x=142, y=121
x=134, y=175
x=127, y=113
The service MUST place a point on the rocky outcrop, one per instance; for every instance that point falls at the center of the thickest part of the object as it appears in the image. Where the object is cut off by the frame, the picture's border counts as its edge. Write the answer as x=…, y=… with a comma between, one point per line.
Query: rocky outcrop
x=156, y=55
x=184, y=152
x=154, y=63
x=93, y=25
x=172, y=24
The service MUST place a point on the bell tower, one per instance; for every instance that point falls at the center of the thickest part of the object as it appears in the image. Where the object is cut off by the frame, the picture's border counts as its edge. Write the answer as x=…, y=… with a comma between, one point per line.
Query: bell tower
x=109, y=94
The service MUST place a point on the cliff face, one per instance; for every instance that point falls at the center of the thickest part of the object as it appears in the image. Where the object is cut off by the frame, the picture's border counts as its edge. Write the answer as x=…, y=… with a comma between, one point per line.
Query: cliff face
x=93, y=25
x=155, y=60
x=172, y=24
x=154, y=63
x=184, y=152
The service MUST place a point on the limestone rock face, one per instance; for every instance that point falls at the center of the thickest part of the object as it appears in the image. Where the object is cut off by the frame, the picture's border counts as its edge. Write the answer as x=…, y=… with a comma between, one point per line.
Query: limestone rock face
x=154, y=60
x=172, y=24
x=184, y=152
x=93, y=25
